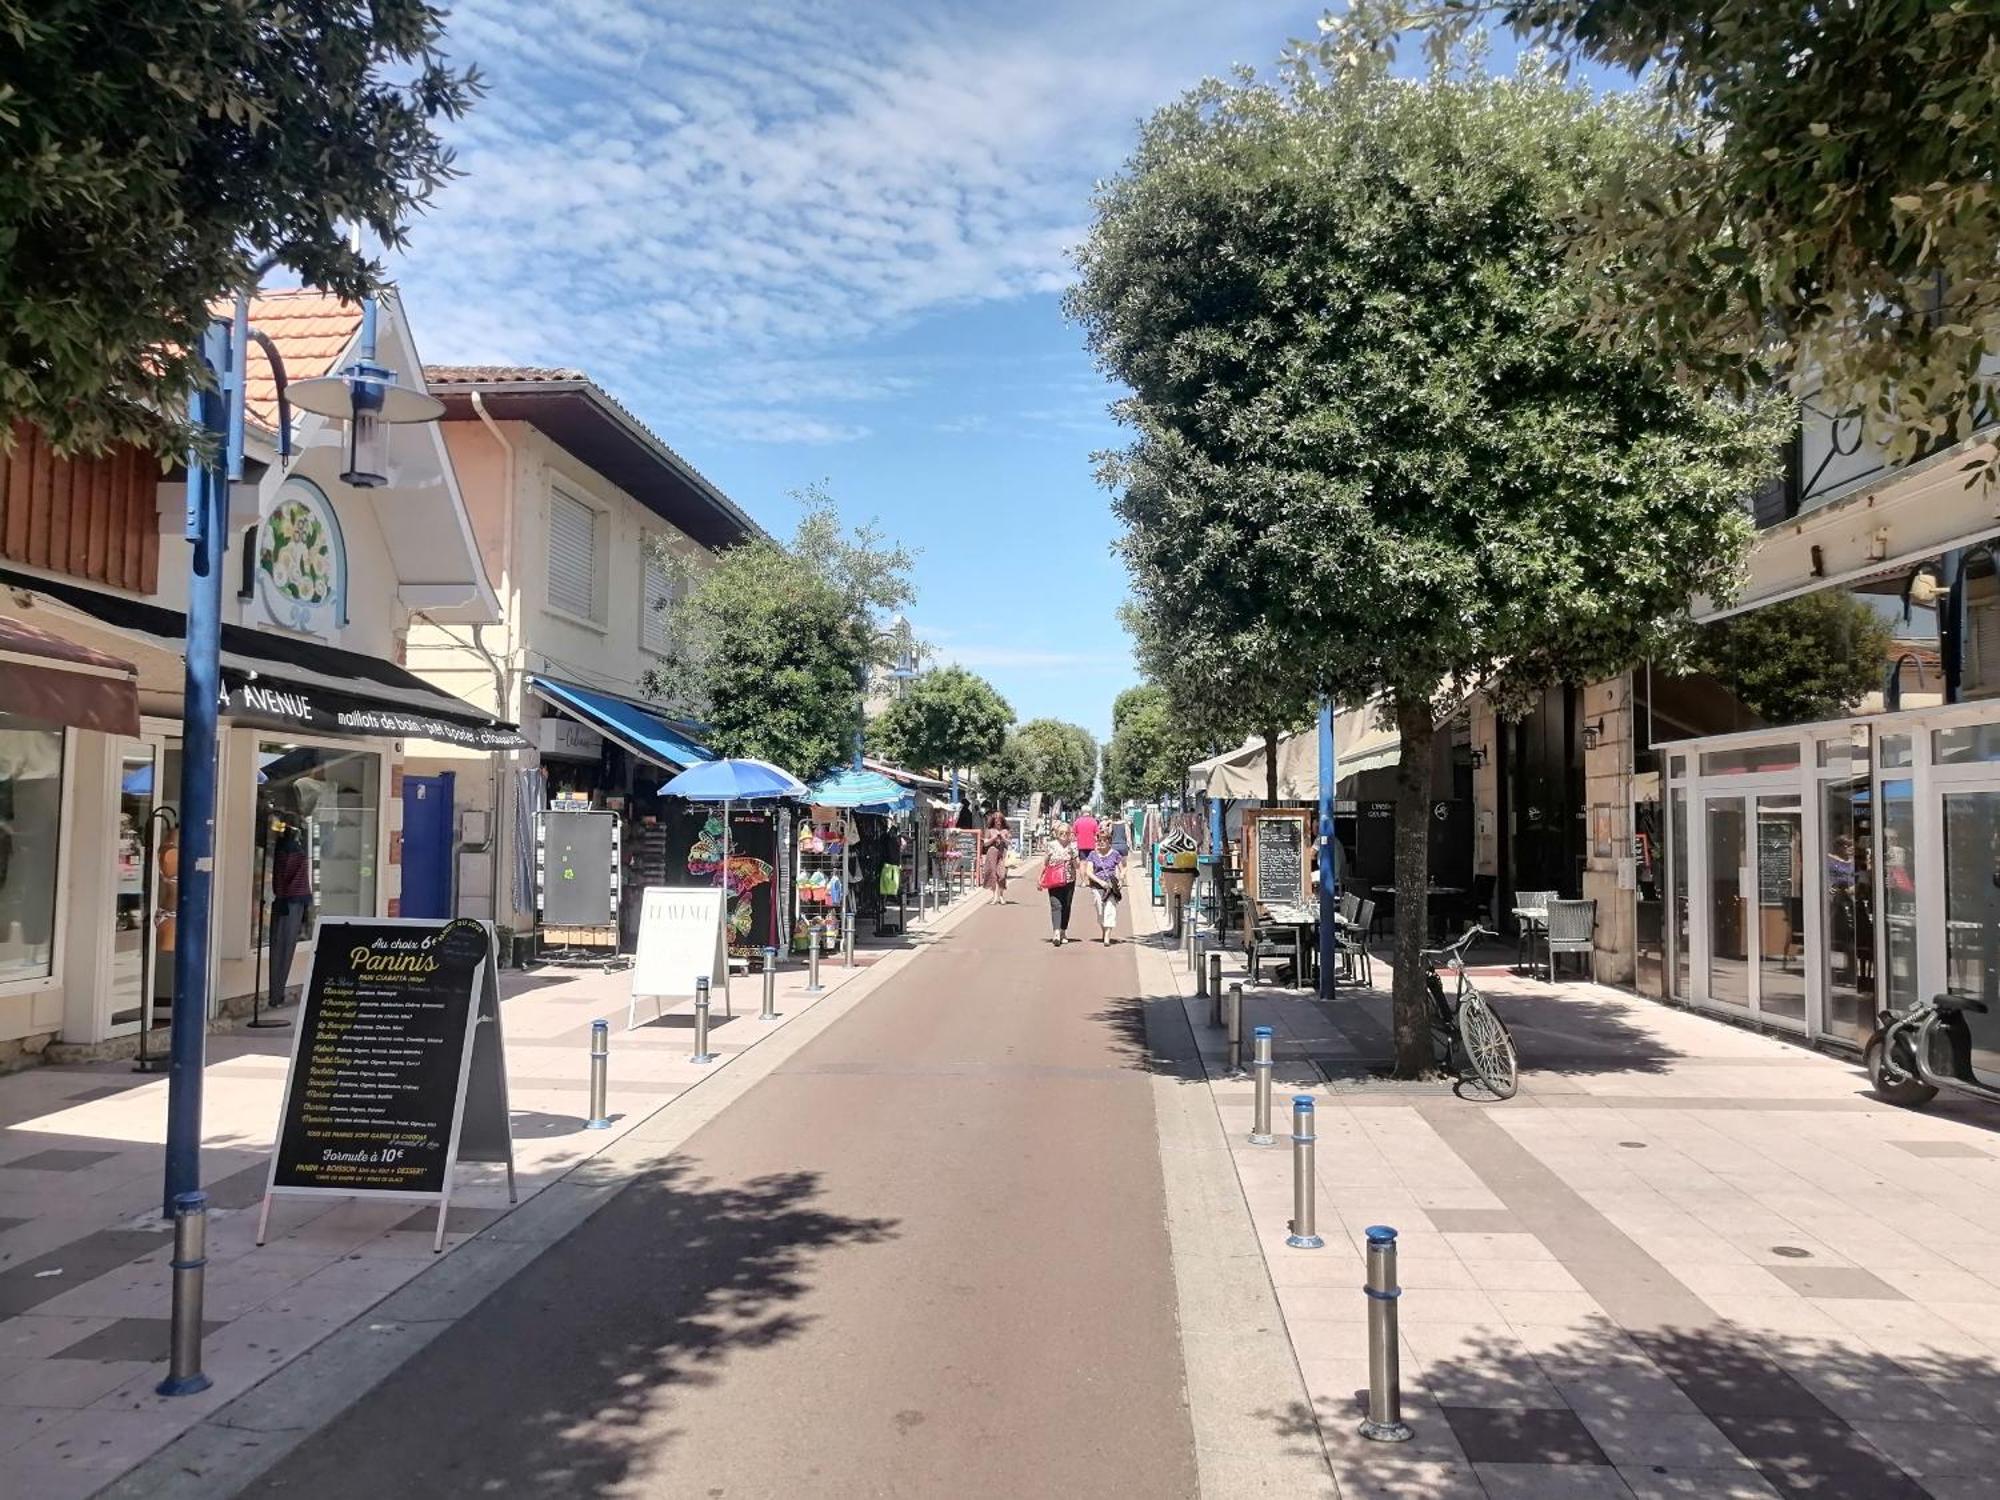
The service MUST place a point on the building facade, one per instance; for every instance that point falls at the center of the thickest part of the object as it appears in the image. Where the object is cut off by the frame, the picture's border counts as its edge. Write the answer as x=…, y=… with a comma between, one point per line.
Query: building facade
x=572, y=498
x=322, y=582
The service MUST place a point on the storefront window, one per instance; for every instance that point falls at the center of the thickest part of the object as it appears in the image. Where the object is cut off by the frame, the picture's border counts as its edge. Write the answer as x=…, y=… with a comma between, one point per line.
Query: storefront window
x=31, y=757
x=1895, y=752
x=1755, y=758
x=318, y=810
x=1966, y=744
x=1848, y=891
x=1972, y=918
x=1899, y=892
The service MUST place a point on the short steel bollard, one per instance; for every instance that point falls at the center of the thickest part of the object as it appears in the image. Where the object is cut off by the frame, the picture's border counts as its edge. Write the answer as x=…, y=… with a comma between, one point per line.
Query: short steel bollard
x=1385, y=1422
x=190, y=1266
x=701, y=1052
x=770, y=1011
x=1190, y=932
x=600, y=1070
x=1302, y=1236
x=813, y=986
x=1215, y=989
x=1262, y=1065
x=1232, y=1016
x=847, y=935
x=1201, y=976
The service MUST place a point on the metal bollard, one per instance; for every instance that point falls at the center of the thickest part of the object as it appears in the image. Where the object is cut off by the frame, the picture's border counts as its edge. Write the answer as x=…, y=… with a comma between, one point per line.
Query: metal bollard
x=600, y=1069
x=813, y=986
x=1262, y=1066
x=1233, y=1016
x=1174, y=917
x=1215, y=989
x=847, y=935
x=1302, y=1236
x=701, y=1052
x=770, y=1011
x=1201, y=977
x=190, y=1265
x=1385, y=1422
x=1190, y=936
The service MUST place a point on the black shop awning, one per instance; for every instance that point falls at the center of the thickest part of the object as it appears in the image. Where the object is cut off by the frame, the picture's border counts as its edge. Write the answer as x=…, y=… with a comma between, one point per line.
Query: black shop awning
x=288, y=682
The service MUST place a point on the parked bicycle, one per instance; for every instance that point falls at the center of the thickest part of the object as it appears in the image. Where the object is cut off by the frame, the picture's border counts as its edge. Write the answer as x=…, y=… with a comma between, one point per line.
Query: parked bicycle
x=1473, y=1040
x=1910, y=1057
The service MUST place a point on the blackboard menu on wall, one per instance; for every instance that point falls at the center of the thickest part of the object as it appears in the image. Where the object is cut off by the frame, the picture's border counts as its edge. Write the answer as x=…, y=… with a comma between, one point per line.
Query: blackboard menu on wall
x=383, y=1035
x=1776, y=849
x=1281, y=859
x=962, y=848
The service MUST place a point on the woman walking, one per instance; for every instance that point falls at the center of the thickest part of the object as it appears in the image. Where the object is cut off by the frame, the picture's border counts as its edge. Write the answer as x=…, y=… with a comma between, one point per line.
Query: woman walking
x=1059, y=880
x=1103, y=869
x=993, y=858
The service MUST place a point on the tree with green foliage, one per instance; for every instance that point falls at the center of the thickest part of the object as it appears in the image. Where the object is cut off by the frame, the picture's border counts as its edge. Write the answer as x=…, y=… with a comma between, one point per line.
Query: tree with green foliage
x=1062, y=760
x=1813, y=657
x=948, y=719
x=1150, y=749
x=769, y=645
x=1820, y=207
x=152, y=152
x=1363, y=424
x=1007, y=776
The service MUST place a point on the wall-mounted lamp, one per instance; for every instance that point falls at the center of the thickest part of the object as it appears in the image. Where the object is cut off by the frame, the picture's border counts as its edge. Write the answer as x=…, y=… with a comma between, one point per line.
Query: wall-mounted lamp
x=1592, y=734
x=1478, y=756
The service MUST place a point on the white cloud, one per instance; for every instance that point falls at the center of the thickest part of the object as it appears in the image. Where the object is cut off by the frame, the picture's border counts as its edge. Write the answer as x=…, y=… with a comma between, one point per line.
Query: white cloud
x=703, y=203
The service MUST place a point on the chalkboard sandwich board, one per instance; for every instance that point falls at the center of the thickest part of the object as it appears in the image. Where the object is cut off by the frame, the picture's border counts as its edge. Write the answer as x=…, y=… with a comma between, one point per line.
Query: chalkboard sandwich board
x=397, y=1070
x=1277, y=843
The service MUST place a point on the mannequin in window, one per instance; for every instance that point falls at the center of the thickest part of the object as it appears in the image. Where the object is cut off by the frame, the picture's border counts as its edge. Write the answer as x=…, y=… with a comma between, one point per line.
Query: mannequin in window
x=291, y=893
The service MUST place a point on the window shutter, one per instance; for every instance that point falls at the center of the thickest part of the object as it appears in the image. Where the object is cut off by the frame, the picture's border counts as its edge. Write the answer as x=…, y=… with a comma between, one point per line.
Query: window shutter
x=653, y=600
x=572, y=556
x=1980, y=671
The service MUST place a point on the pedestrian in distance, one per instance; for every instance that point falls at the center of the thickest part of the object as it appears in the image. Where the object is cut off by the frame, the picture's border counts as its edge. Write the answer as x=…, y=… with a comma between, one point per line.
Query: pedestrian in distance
x=1103, y=868
x=993, y=858
x=1086, y=833
x=1059, y=880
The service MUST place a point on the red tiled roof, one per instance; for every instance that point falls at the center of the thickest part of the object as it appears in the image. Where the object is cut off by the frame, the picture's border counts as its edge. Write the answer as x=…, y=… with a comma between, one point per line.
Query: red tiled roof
x=311, y=329
x=496, y=374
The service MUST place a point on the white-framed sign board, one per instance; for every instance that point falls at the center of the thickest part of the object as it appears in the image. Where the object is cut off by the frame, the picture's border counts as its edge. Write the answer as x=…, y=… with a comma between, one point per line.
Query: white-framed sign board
x=680, y=940
x=397, y=1070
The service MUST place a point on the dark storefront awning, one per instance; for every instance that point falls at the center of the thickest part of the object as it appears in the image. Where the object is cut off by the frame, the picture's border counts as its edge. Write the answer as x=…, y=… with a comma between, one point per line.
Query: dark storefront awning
x=46, y=677
x=642, y=733
x=288, y=682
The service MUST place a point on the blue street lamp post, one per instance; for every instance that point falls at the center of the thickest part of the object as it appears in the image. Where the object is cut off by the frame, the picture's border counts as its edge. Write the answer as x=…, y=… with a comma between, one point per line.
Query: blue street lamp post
x=1329, y=848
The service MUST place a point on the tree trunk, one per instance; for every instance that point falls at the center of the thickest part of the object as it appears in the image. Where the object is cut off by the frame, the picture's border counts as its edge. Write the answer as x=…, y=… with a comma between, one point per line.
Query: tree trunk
x=1271, y=767
x=1413, y=869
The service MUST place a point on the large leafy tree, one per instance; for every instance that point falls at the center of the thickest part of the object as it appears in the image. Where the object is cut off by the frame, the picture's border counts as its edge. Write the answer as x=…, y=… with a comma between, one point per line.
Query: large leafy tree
x=947, y=719
x=1007, y=776
x=769, y=645
x=1150, y=748
x=152, y=151
x=1822, y=206
x=1363, y=423
x=1814, y=657
x=1062, y=760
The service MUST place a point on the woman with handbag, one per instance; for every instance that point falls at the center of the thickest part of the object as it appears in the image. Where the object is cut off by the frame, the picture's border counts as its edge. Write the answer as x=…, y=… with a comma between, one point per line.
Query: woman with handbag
x=1059, y=880
x=993, y=857
x=1103, y=868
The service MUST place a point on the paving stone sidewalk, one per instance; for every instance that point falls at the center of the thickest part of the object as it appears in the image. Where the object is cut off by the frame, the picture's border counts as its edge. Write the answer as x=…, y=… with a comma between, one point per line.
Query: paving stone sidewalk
x=1686, y=1260
x=84, y=1280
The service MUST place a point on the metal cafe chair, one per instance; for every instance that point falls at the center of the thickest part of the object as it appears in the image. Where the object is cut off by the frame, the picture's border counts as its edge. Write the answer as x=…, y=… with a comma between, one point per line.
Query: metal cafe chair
x=1570, y=930
x=1526, y=927
x=1352, y=944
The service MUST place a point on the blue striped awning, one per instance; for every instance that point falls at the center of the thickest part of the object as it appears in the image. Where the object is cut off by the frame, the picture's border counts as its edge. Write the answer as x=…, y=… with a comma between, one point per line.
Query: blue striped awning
x=644, y=734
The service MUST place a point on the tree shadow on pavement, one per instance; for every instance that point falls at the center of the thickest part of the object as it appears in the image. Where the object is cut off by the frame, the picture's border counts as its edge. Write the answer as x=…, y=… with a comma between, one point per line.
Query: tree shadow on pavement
x=1705, y=1411
x=1150, y=1033
x=563, y=1382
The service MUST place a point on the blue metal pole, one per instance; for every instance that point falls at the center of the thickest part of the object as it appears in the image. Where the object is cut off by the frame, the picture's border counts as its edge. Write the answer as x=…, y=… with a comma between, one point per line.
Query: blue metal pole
x=207, y=530
x=954, y=786
x=1329, y=866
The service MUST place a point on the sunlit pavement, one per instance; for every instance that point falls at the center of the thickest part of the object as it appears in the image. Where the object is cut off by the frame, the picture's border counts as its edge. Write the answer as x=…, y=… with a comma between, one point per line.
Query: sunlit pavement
x=84, y=1279
x=1685, y=1260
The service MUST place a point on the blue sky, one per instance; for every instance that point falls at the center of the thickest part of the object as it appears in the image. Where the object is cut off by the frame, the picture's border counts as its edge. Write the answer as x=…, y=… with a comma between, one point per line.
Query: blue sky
x=824, y=242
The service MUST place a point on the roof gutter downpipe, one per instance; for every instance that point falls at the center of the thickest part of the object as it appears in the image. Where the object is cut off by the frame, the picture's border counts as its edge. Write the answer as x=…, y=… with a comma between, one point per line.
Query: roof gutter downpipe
x=503, y=671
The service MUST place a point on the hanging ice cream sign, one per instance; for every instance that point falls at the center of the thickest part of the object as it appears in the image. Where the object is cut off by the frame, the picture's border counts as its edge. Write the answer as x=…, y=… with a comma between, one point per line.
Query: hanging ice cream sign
x=301, y=562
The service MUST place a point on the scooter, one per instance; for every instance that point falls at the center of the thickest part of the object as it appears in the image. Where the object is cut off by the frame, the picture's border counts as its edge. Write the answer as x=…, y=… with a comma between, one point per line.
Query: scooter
x=1910, y=1057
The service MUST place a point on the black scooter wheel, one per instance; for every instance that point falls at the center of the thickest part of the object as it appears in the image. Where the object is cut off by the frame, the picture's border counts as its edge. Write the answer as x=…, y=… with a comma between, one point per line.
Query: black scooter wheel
x=1895, y=1083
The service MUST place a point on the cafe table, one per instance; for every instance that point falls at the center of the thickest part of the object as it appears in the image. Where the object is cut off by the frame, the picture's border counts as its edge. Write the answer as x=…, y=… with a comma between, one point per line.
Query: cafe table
x=1297, y=915
x=1531, y=920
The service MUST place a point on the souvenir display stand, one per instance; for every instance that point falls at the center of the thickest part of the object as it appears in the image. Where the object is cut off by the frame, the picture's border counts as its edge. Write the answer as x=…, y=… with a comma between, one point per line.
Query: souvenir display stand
x=820, y=878
x=840, y=800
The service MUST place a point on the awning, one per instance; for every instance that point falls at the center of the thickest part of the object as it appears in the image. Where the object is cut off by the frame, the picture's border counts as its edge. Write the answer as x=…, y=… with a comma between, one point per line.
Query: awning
x=290, y=682
x=641, y=732
x=43, y=676
x=916, y=781
x=1359, y=744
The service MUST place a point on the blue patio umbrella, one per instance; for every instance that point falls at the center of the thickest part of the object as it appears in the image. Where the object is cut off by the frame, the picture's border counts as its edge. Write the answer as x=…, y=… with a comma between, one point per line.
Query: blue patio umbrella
x=729, y=781
x=863, y=791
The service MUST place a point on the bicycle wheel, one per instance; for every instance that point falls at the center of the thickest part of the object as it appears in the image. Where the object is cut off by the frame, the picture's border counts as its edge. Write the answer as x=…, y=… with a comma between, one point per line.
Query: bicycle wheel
x=1488, y=1049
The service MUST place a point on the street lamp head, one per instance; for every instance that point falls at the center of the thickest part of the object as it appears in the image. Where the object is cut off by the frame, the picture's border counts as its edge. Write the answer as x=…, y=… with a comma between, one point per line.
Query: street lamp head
x=367, y=398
